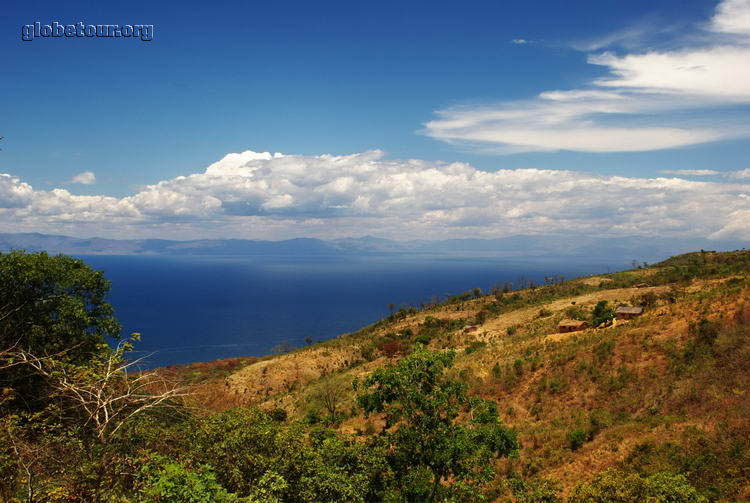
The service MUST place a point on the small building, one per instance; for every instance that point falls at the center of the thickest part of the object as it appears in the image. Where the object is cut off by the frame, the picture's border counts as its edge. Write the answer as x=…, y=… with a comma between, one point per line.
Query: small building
x=468, y=330
x=628, y=312
x=571, y=326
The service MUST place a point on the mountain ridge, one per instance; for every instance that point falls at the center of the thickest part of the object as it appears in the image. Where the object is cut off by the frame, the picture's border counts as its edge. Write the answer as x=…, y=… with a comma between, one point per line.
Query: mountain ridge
x=547, y=246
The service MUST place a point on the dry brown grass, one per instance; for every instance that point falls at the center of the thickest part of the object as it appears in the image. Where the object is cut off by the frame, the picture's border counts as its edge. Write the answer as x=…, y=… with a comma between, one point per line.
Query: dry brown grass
x=626, y=372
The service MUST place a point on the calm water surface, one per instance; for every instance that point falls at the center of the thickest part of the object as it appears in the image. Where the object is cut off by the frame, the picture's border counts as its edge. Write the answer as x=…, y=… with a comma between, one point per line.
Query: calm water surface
x=197, y=308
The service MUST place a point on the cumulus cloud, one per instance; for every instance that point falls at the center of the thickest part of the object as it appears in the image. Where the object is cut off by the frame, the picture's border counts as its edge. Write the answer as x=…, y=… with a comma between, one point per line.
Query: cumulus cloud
x=647, y=101
x=732, y=16
x=270, y=196
x=743, y=173
x=85, y=178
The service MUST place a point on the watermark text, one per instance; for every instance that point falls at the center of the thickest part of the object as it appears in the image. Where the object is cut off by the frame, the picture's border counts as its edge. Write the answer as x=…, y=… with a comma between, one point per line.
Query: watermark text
x=29, y=32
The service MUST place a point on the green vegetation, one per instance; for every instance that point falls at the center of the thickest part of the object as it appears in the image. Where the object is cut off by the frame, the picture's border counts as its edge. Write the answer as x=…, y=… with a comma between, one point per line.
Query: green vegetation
x=430, y=446
x=617, y=486
x=602, y=313
x=405, y=410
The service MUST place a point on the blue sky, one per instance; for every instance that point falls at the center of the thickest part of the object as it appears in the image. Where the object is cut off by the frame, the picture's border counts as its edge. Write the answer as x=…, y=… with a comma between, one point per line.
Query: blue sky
x=598, y=90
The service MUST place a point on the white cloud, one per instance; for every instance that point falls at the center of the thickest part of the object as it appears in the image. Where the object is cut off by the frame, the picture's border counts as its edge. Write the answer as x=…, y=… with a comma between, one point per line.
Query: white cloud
x=519, y=41
x=270, y=196
x=732, y=16
x=85, y=178
x=690, y=172
x=743, y=173
x=647, y=101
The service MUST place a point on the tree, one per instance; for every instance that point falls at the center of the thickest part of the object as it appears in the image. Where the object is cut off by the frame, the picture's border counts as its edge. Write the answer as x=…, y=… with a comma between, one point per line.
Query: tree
x=105, y=391
x=88, y=405
x=246, y=447
x=602, y=313
x=441, y=442
x=330, y=393
x=50, y=306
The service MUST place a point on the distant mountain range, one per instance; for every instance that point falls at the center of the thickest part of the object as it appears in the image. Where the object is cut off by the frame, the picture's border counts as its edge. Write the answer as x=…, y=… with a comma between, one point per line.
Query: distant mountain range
x=551, y=246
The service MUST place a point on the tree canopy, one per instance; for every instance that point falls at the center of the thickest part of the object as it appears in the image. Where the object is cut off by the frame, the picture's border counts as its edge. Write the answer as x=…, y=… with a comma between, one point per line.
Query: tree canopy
x=51, y=305
x=435, y=432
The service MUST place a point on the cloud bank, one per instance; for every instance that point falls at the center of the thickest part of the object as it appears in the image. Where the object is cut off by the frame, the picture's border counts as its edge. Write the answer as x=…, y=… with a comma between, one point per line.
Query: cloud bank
x=275, y=196
x=647, y=101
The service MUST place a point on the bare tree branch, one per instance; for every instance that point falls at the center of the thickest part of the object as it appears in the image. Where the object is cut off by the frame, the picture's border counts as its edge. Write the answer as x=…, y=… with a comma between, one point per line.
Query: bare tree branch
x=106, y=391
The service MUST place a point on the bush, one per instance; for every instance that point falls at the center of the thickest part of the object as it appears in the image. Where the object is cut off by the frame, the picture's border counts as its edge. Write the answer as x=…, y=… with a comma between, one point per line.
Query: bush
x=577, y=438
x=392, y=348
x=618, y=486
x=497, y=371
x=475, y=346
x=312, y=417
x=279, y=415
x=534, y=491
x=647, y=299
x=705, y=331
x=174, y=483
x=423, y=339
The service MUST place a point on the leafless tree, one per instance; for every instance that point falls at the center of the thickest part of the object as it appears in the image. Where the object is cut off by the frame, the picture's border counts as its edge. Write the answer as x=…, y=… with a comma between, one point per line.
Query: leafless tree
x=330, y=394
x=109, y=391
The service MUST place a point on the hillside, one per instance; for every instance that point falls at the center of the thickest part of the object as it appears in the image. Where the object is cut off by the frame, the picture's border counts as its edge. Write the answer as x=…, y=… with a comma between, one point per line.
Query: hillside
x=666, y=391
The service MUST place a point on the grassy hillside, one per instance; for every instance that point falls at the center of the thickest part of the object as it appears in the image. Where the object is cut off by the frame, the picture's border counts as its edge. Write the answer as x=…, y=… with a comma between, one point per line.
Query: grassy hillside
x=666, y=391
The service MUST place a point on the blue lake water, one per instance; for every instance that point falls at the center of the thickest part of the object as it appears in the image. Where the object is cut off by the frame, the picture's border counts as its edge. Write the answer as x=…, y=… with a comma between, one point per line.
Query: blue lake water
x=205, y=308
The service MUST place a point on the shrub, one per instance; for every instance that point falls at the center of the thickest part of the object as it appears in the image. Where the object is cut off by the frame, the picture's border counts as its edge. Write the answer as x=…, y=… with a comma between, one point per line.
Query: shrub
x=368, y=354
x=598, y=420
x=392, y=348
x=475, y=346
x=174, y=483
x=423, y=339
x=511, y=330
x=618, y=486
x=705, y=331
x=497, y=371
x=278, y=414
x=577, y=438
x=534, y=491
x=647, y=299
x=312, y=417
